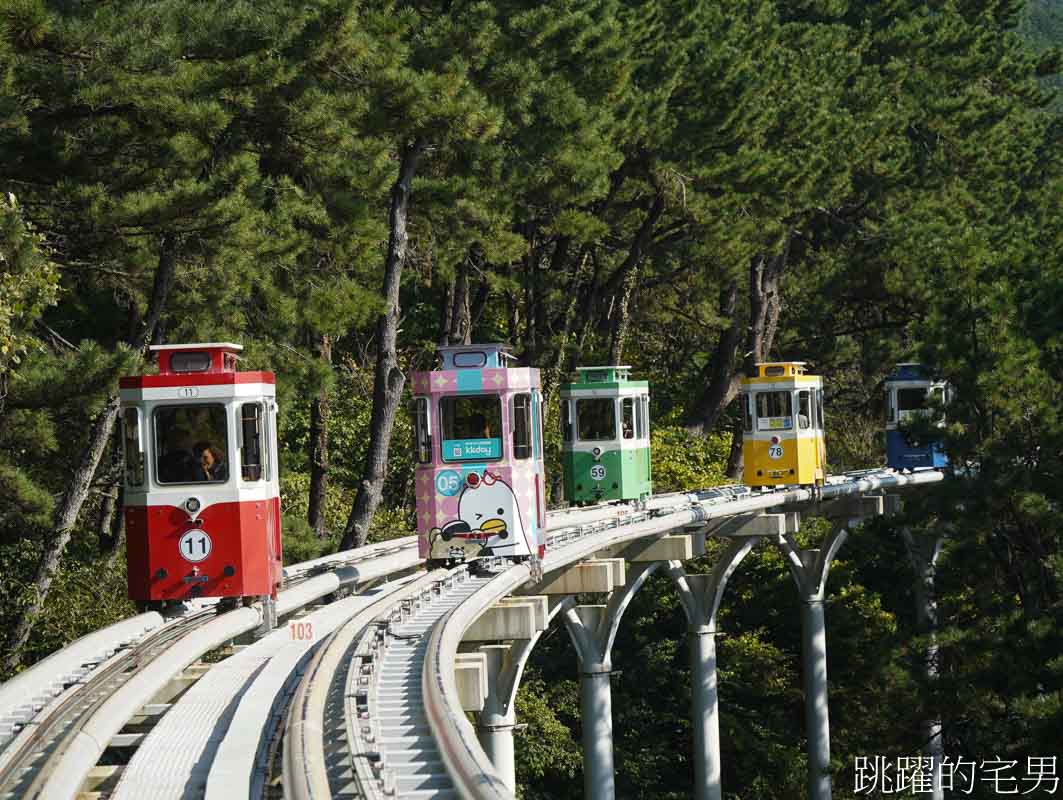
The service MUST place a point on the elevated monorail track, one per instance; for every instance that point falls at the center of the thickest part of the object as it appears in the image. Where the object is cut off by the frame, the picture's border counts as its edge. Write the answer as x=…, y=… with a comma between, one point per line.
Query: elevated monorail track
x=473, y=775
x=368, y=704
x=63, y=713
x=26, y=764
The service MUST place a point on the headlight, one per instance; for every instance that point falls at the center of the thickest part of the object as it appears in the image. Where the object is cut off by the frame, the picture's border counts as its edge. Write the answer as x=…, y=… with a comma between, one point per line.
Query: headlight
x=192, y=504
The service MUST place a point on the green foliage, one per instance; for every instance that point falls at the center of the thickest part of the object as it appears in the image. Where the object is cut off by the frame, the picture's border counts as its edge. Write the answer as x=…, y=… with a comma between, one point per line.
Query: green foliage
x=546, y=751
x=90, y=593
x=29, y=283
x=683, y=461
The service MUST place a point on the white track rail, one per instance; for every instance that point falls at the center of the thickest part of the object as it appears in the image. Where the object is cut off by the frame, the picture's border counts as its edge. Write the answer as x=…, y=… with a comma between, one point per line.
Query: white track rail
x=316, y=710
x=62, y=775
x=22, y=697
x=177, y=756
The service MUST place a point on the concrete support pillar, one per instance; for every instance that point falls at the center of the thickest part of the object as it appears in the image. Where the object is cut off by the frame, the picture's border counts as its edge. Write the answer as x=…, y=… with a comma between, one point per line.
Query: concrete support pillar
x=923, y=551
x=705, y=714
x=504, y=666
x=700, y=596
x=593, y=631
x=596, y=710
x=809, y=569
x=817, y=720
x=495, y=723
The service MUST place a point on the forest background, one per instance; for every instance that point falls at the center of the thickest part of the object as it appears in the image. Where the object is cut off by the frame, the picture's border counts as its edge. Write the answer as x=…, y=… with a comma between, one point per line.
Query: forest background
x=686, y=187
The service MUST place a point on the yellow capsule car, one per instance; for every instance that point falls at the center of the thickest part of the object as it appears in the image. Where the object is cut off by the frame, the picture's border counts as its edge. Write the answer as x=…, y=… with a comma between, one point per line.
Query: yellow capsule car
x=783, y=440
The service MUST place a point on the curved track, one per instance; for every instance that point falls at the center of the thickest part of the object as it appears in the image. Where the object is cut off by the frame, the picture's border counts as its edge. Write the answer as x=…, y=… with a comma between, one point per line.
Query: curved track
x=367, y=706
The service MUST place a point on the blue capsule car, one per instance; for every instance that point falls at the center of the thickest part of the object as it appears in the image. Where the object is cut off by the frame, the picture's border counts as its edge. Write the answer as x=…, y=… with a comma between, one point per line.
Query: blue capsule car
x=911, y=392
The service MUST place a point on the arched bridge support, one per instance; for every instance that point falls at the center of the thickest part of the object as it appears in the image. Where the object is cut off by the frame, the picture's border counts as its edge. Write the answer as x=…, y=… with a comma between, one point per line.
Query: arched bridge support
x=504, y=666
x=593, y=631
x=700, y=596
x=923, y=549
x=809, y=568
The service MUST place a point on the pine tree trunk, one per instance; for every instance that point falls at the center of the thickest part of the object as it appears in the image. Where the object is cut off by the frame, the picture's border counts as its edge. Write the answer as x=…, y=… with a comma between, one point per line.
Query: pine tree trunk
x=531, y=297
x=460, y=314
x=446, y=311
x=593, y=294
x=567, y=323
x=388, y=380
x=722, y=378
x=66, y=513
x=513, y=316
x=109, y=524
x=319, y=461
x=629, y=277
x=765, y=304
x=734, y=458
x=621, y=320
x=478, y=305
x=923, y=551
x=117, y=534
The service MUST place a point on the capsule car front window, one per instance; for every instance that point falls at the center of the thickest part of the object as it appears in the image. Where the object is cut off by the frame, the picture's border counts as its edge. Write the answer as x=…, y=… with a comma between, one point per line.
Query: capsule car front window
x=774, y=410
x=566, y=421
x=596, y=419
x=191, y=444
x=911, y=399
x=134, y=452
x=472, y=427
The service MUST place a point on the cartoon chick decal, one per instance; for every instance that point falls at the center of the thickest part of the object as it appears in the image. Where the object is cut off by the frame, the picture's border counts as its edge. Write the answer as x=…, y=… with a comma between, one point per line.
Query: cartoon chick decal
x=488, y=513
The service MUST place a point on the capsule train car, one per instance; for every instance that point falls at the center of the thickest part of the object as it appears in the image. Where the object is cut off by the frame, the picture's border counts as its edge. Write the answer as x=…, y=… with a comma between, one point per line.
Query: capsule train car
x=605, y=433
x=910, y=393
x=783, y=442
x=479, y=457
x=202, y=498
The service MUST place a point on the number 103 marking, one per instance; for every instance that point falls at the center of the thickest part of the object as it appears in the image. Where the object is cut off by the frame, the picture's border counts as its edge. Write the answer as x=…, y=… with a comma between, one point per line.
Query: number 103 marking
x=301, y=631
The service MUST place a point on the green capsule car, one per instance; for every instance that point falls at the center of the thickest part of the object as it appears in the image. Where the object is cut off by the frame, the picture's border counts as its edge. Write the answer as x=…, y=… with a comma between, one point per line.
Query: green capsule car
x=605, y=426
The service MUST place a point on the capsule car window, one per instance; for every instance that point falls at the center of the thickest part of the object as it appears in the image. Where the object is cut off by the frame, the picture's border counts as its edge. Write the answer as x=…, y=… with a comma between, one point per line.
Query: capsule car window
x=472, y=427
x=774, y=410
x=911, y=399
x=629, y=418
x=190, y=362
x=134, y=455
x=191, y=444
x=421, y=432
x=596, y=419
x=252, y=458
x=804, y=411
x=521, y=417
